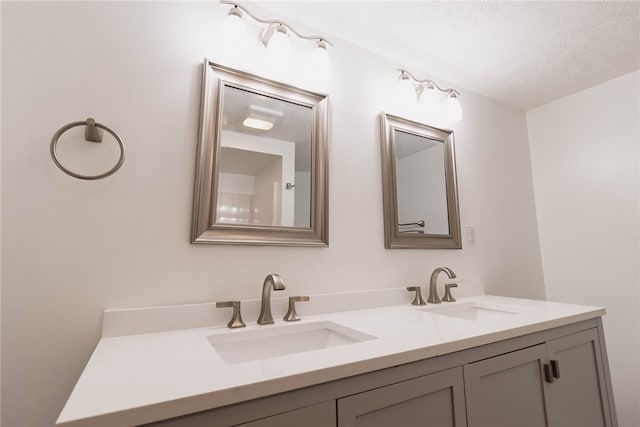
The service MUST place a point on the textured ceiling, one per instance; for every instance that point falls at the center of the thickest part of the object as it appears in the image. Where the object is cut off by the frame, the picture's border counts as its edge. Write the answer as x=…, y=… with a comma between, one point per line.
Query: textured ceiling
x=523, y=54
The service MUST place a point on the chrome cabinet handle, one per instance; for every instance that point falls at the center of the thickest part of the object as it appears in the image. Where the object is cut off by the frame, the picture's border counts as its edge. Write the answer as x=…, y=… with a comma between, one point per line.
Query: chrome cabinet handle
x=551, y=371
x=236, y=317
x=548, y=377
x=291, y=315
x=555, y=368
x=417, y=300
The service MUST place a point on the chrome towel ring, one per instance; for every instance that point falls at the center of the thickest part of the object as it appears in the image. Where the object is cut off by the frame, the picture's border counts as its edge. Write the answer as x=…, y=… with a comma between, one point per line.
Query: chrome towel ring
x=93, y=134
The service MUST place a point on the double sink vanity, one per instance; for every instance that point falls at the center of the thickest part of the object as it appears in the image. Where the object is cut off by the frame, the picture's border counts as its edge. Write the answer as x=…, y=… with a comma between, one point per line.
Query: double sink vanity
x=479, y=361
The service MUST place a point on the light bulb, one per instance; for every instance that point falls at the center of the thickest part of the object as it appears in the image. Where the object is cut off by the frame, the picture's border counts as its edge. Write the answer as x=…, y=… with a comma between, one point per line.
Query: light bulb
x=279, y=48
x=406, y=88
x=233, y=28
x=452, y=108
x=429, y=99
x=318, y=66
x=234, y=32
x=318, y=63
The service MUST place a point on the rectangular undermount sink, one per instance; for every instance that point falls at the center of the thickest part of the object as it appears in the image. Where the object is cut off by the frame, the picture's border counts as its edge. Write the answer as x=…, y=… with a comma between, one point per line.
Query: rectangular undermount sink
x=272, y=341
x=475, y=310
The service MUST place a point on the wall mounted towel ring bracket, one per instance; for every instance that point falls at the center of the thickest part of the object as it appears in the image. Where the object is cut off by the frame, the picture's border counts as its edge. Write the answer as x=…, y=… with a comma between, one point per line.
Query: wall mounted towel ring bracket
x=92, y=133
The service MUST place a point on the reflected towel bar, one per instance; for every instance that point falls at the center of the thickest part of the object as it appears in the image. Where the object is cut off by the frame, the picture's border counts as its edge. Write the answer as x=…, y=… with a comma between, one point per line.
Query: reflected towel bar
x=417, y=223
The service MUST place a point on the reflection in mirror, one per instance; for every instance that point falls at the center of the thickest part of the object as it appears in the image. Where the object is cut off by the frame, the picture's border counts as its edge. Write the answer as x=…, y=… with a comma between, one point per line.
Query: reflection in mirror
x=420, y=168
x=419, y=185
x=261, y=170
x=264, y=170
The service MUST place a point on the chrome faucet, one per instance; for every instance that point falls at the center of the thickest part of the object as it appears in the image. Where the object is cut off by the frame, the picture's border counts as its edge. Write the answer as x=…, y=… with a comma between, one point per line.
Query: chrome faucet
x=433, y=291
x=271, y=281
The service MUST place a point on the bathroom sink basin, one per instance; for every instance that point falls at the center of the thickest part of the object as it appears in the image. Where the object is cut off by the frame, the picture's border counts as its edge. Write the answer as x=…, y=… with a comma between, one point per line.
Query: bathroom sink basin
x=272, y=341
x=476, y=310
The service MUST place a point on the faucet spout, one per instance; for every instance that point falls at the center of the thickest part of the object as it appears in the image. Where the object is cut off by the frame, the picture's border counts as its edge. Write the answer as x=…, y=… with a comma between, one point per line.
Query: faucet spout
x=433, y=291
x=275, y=282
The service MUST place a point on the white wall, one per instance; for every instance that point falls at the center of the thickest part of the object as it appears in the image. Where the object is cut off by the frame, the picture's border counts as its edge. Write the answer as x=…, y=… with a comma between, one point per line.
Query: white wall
x=72, y=248
x=585, y=152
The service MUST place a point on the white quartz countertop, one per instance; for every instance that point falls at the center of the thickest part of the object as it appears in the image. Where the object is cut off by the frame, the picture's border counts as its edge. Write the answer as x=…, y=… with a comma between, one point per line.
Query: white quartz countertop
x=142, y=378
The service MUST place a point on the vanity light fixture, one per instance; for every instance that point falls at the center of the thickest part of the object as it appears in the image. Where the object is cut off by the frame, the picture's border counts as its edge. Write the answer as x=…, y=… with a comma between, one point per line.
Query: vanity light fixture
x=426, y=92
x=275, y=37
x=261, y=118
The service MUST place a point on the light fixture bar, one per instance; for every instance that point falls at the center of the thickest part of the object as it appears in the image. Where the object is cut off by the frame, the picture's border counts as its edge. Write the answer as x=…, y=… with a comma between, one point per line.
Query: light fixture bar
x=424, y=83
x=427, y=87
x=270, y=22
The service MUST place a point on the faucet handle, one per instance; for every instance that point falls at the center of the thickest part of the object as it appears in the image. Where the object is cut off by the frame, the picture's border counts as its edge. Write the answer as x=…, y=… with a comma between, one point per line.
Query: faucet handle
x=447, y=292
x=236, y=317
x=417, y=300
x=291, y=315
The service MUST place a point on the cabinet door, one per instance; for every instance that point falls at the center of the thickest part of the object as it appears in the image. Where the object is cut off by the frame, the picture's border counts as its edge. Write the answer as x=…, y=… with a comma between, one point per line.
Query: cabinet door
x=321, y=415
x=507, y=390
x=431, y=400
x=578, y=397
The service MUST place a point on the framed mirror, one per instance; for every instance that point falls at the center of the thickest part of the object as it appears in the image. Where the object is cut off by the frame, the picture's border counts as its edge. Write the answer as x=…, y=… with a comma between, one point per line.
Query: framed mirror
x=261, y=171
x=419, y=188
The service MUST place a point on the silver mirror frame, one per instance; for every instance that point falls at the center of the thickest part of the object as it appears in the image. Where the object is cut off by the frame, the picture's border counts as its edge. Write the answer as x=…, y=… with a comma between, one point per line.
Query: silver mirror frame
x=204, y=227
x=393, y=239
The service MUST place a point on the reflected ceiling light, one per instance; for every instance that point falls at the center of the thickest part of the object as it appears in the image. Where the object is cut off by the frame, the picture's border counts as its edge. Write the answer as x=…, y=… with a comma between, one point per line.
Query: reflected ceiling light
x=257, y=123
x=261, y=118
x=426, y=91
x=275, y=36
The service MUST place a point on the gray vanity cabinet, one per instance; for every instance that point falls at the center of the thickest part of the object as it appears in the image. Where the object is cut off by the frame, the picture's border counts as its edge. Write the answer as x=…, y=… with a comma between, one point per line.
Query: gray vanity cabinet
x=431, y=400
x=560, y=383
x=508, y=383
